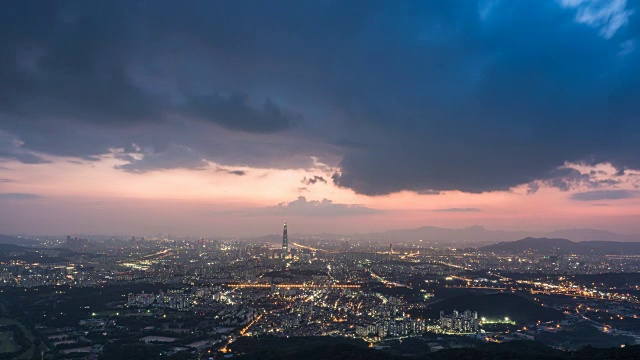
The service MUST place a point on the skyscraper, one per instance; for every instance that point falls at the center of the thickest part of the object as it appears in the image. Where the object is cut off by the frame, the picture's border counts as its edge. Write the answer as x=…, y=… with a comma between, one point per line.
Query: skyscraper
x=285, y=241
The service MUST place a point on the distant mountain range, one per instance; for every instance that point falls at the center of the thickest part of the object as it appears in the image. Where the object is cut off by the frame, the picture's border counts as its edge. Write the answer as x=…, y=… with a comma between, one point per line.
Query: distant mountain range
x=564, y=246
x=430, y=235
x=479, y=235
x=469, y=236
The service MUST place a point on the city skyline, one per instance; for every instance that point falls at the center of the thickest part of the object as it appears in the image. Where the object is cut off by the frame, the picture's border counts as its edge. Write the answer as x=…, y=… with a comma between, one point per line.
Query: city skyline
x=225, y=118
x=304, y=179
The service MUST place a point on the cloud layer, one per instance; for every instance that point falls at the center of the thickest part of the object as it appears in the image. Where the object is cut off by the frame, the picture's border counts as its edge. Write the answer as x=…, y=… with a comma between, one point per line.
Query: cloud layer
x=598, y=195
x=303, y=207
x=429, y=96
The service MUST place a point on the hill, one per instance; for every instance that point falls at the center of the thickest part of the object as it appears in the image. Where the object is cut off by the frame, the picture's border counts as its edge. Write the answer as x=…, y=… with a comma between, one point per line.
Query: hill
x=564, y=246
x=14, y=252
x=493, y=306
x=613, y=247
x=546, y=245
x=581, y=235
x=12, y=240
x=469, y=236
x=7, y=248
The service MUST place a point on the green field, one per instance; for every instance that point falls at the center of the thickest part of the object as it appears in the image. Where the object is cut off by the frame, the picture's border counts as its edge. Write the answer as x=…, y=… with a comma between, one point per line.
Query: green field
x=27, y=332
x=6, y=342
x=7, y=346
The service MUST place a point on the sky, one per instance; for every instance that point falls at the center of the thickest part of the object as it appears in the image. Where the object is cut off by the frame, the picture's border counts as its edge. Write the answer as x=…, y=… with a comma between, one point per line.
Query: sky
x=230, y=117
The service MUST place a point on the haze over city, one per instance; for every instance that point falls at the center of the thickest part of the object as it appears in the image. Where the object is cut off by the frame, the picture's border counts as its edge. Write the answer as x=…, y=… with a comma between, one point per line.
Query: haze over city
x=319, y=179
x=225, y=118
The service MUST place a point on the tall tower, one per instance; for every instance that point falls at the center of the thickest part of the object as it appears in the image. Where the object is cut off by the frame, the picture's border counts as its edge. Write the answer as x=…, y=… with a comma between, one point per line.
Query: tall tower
x=285, y=241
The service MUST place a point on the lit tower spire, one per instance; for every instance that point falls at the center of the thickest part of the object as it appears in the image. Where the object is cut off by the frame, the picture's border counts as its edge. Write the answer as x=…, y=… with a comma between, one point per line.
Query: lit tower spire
x=285, y=240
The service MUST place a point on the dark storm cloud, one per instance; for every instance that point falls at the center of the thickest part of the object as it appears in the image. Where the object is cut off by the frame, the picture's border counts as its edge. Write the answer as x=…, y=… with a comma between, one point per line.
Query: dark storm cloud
x=313, y=180
x=71, y=62
x=11, y=148
x=177, y=156
x=567, y=178
x=23, y=157
x=502, y=102
x=455, y=210
x=598, y=195
x=440, y=95
x=235, y=112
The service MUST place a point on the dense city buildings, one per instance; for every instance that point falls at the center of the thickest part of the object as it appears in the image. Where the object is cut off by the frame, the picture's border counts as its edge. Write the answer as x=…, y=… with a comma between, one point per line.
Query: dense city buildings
x=283, y=180
x=195, y=296
x=466, y=321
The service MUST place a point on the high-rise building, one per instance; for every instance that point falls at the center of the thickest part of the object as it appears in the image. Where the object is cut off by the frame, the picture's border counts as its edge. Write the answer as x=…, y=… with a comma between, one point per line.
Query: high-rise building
x=460, y=322
x=285, y=241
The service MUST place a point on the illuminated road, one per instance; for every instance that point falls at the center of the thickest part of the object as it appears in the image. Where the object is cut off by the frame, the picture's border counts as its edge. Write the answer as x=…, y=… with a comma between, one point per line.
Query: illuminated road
x=244, y=330
x=385, y=281
x=159, y=254
x=294, y=286
x=575, y=295
x=453, y=265
x=155, y=256
x=564, y=290
x=477, y=287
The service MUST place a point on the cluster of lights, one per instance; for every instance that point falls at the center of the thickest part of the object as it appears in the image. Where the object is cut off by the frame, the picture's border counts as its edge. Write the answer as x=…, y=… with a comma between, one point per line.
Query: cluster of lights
x=295, y=286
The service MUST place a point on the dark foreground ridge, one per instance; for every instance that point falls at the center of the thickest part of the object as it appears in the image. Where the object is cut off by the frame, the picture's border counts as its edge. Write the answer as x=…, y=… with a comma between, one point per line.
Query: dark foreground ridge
x=317, y=348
